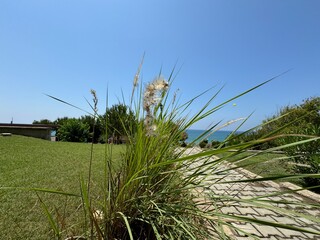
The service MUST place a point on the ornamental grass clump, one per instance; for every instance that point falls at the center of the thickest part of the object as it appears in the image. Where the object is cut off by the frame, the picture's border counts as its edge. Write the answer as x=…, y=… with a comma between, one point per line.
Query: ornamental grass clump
x=150, y=200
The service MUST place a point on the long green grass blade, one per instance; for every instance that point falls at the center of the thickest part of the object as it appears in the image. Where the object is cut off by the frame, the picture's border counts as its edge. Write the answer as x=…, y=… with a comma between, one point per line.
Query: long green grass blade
x=127, y=224
x=52, y=222
x=69, y=104
x=41, y=190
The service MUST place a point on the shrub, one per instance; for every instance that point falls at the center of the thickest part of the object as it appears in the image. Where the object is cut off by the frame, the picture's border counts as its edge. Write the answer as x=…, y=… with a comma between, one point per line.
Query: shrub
x=183, y=144
x=183, y=137
x=215, y=144
x=306, y=156
x=73, y=130
x=296, y=122
x=203, y=143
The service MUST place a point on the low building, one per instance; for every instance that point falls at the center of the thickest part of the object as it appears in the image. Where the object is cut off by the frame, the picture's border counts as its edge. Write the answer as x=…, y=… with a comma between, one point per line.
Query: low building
x=42, y=131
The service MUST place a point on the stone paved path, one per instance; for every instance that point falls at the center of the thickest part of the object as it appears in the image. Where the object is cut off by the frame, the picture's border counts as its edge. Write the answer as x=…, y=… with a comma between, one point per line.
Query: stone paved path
x=286, y=208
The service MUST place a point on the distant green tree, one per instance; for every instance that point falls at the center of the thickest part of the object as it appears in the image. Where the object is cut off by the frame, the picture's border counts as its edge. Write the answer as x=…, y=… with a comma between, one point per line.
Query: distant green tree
x=42, y=121
x=96, y=127
x=184, y=136
x=120, y=122
x=73, y=130
x=59, y=121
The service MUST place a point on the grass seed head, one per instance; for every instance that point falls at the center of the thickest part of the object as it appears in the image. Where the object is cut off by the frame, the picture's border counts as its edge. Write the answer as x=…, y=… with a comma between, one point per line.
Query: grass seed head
x=151, y=98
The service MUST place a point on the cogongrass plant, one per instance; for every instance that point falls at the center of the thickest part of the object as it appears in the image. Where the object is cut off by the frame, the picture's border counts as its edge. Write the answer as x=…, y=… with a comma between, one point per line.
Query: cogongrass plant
x=160, y=190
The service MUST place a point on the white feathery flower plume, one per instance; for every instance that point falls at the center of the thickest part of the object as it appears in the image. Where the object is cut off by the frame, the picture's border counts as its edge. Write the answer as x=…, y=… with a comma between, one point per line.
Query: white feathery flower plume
x=152, y=97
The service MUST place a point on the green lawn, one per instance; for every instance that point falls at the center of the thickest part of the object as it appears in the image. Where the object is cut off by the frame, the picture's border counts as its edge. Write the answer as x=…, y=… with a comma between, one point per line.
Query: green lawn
x=36, y=163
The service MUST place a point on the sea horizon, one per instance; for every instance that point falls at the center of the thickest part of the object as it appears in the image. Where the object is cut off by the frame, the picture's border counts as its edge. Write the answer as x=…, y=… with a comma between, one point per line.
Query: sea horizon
x=219, y=135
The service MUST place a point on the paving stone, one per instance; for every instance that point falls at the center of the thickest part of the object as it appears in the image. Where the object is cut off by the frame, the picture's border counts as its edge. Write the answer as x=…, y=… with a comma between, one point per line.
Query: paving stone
x=265, y=212
x=246, y=210
x=236, y=196
x=259, y=192
x=317, y=227
x=220, y=186
x=275, y=198
x=291, y=200
x=235, y=188
x=281, y=205
x=228, y=210
x=298, y=198
x=290, y=233
x=247, y=228
x=305, y=221
x=311, y=236
x=313, y=212
x=264, y=218
x=249, y=188
x=286, y=220
x=267, y=231
x=270, y=189
x=217, y=192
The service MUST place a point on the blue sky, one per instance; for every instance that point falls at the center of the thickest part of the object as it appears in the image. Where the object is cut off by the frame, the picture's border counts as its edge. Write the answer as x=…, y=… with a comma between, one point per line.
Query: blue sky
x=66, y=48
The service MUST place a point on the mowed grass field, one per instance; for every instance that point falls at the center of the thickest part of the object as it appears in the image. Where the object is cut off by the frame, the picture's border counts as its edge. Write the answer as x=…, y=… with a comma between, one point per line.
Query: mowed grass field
x=27, y=162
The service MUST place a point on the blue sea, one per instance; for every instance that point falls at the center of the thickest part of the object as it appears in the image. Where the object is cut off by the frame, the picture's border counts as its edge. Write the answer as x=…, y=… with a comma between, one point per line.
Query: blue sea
x=217, y=135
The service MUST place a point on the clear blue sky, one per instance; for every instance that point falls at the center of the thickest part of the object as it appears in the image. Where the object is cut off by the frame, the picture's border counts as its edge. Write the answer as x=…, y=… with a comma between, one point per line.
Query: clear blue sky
x=65, y=48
